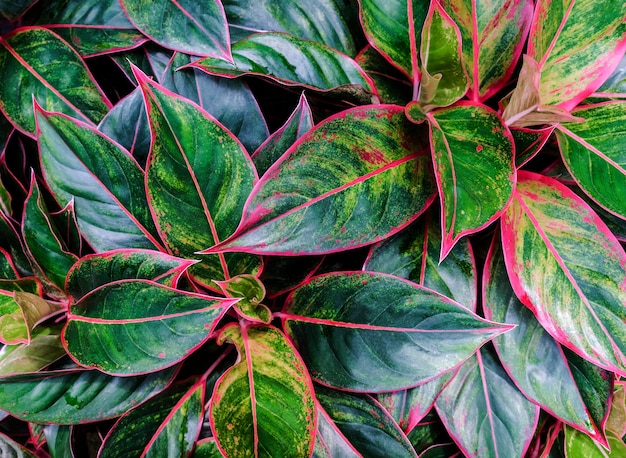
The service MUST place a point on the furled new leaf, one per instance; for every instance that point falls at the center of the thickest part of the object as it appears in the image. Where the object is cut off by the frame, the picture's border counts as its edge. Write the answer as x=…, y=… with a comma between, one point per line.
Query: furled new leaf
x=372, y=332
x=310, y=202
x=264, y=405
x=37, y=64
x=120, y=328
x=20, y=312
x=577, y=284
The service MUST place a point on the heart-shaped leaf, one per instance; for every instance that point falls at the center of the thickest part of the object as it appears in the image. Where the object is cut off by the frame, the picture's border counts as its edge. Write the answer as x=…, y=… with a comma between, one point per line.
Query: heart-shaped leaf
x=577, y=286
x=109, y=197
x=120, y=328
x=309, y=202
x=472, y=151
x=352, y=327
x=41, y=66
x=264, y=404
x=193, y=27
x=20, y=312
x=593, y=152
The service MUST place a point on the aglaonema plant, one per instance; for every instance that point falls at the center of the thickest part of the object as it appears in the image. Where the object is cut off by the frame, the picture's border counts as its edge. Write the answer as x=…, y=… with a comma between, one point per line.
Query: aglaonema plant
x=330, y=228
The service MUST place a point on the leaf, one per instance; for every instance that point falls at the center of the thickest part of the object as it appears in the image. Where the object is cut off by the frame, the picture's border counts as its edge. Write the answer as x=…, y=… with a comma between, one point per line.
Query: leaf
x=594, y=154
x=166, y=425
x=44, y=68
x=473, y=153
x=329, y=440
x=579, y=445
x=206, y=448
x=371, y=332
x=484, y=412
x=58, y=440
x=263, y=405
x=577, y=286
x=616, y=423
x=251, y=292
x=20, y=312
x=7, y=268
x=530, y=356
x=12, y=449
x=309, y=64
x=444, y=80
x=311, y=203
x=109, y=198
x=14, y=9
x=392, y=86
x=43, y=349
x=192, y=27
x=194, y=209
x=77, y=396
x=529, y=142
x=96, y=270
x=284, y=273
x=120, y=327
x=494, y=34
x=577, y=44
x=364, y=423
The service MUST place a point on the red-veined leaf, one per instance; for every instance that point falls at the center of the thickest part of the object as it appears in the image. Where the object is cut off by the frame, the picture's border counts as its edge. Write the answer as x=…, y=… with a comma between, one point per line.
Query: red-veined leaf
x=473, y=153
x=120, y=327
x=263, y=405
x=615, y=86
x=529, y=142
x=20, y=312
x=43, y=349
x=311, y=64
x=309, y=202
x=7, y=268
x=391, y=84
x=372, y=332
x=494, y=34
x=577, y=44
x=594, y=153
x=37, y=64
x=577, y=284
x=191, y=26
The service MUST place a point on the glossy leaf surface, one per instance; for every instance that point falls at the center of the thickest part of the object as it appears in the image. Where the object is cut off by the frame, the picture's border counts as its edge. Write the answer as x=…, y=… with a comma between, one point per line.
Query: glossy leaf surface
x=329, y=439
x=529, y=142
x=351, y=328
x=12, y=449
x=120, y=328
x=263, y=405
x=19, y=314
x=577, y=287
x=43, y=349
x=310, y=203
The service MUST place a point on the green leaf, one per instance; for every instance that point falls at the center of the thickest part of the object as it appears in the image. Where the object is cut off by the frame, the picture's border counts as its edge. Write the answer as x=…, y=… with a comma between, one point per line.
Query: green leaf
x=594, y=154
x=391, y=84
x=330, y=441
x=20, y=312
x=371, y=332
x=206, y=448
x=77, y=396
x=529, y=142
x=44, y=348
x=58, y=440
x=579, y=445
x=109, y=197
x=312, y=203
x=120, y=328
x=11, y=10
x=251, y=292
x=288, y=60
x=7, y=269
x=166, y=425
x=263, y=405
x=38, y=65
x=473, y=153
x=12, y=449
x=192, y=27
x=577, y=284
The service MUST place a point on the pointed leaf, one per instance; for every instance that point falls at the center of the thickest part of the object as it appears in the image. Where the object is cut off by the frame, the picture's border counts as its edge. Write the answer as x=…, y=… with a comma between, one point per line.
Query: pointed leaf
x=194, y=27
x=529, y=142
x=120, y=328
x=473, y=153
x=484, y=412
x=41, y=66
x=593, y=152
x=109, y=198
x=494, y=34
x=330, y=442
x=577, y=286
x=310, y=64
x=264, y=405
x=577, y=44
x=579, y=445
x=391, y=84
x=71, y=397
x=44, y=348
x=371, y=332
x=7, y=268
x=12, y=449
x=206, y=448
x=311, y=203
x=58, y=440
x=20, y=312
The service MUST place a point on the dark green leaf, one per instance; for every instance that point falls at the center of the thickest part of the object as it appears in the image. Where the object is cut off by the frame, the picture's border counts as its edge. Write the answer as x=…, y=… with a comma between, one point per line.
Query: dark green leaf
x=58, y=440
x=12, y=449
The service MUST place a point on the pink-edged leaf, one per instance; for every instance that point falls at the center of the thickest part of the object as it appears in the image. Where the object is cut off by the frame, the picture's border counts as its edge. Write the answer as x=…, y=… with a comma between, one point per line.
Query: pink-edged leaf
x=96, y=270
x=12, y=449
x=484, y=411
x=577, y=44
x=577, y=285
x=190, y=26
x=251, y=291
x=15, y=9
x=579, y=445
x=37, y=64
x=119, y=328
x=391, y=84
x=311, y=64
x=494, y=34
x=594, y=153
x=310, y=202
x=20, y=312
x=7, y=268
x=615, y=86
x=473, y=153
x=43, y=349
x=166, y=425
x=529, y=142
x=193, y=209
x=372, y=332
x=531, y=357
x=330, y=442
x=265, y=403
